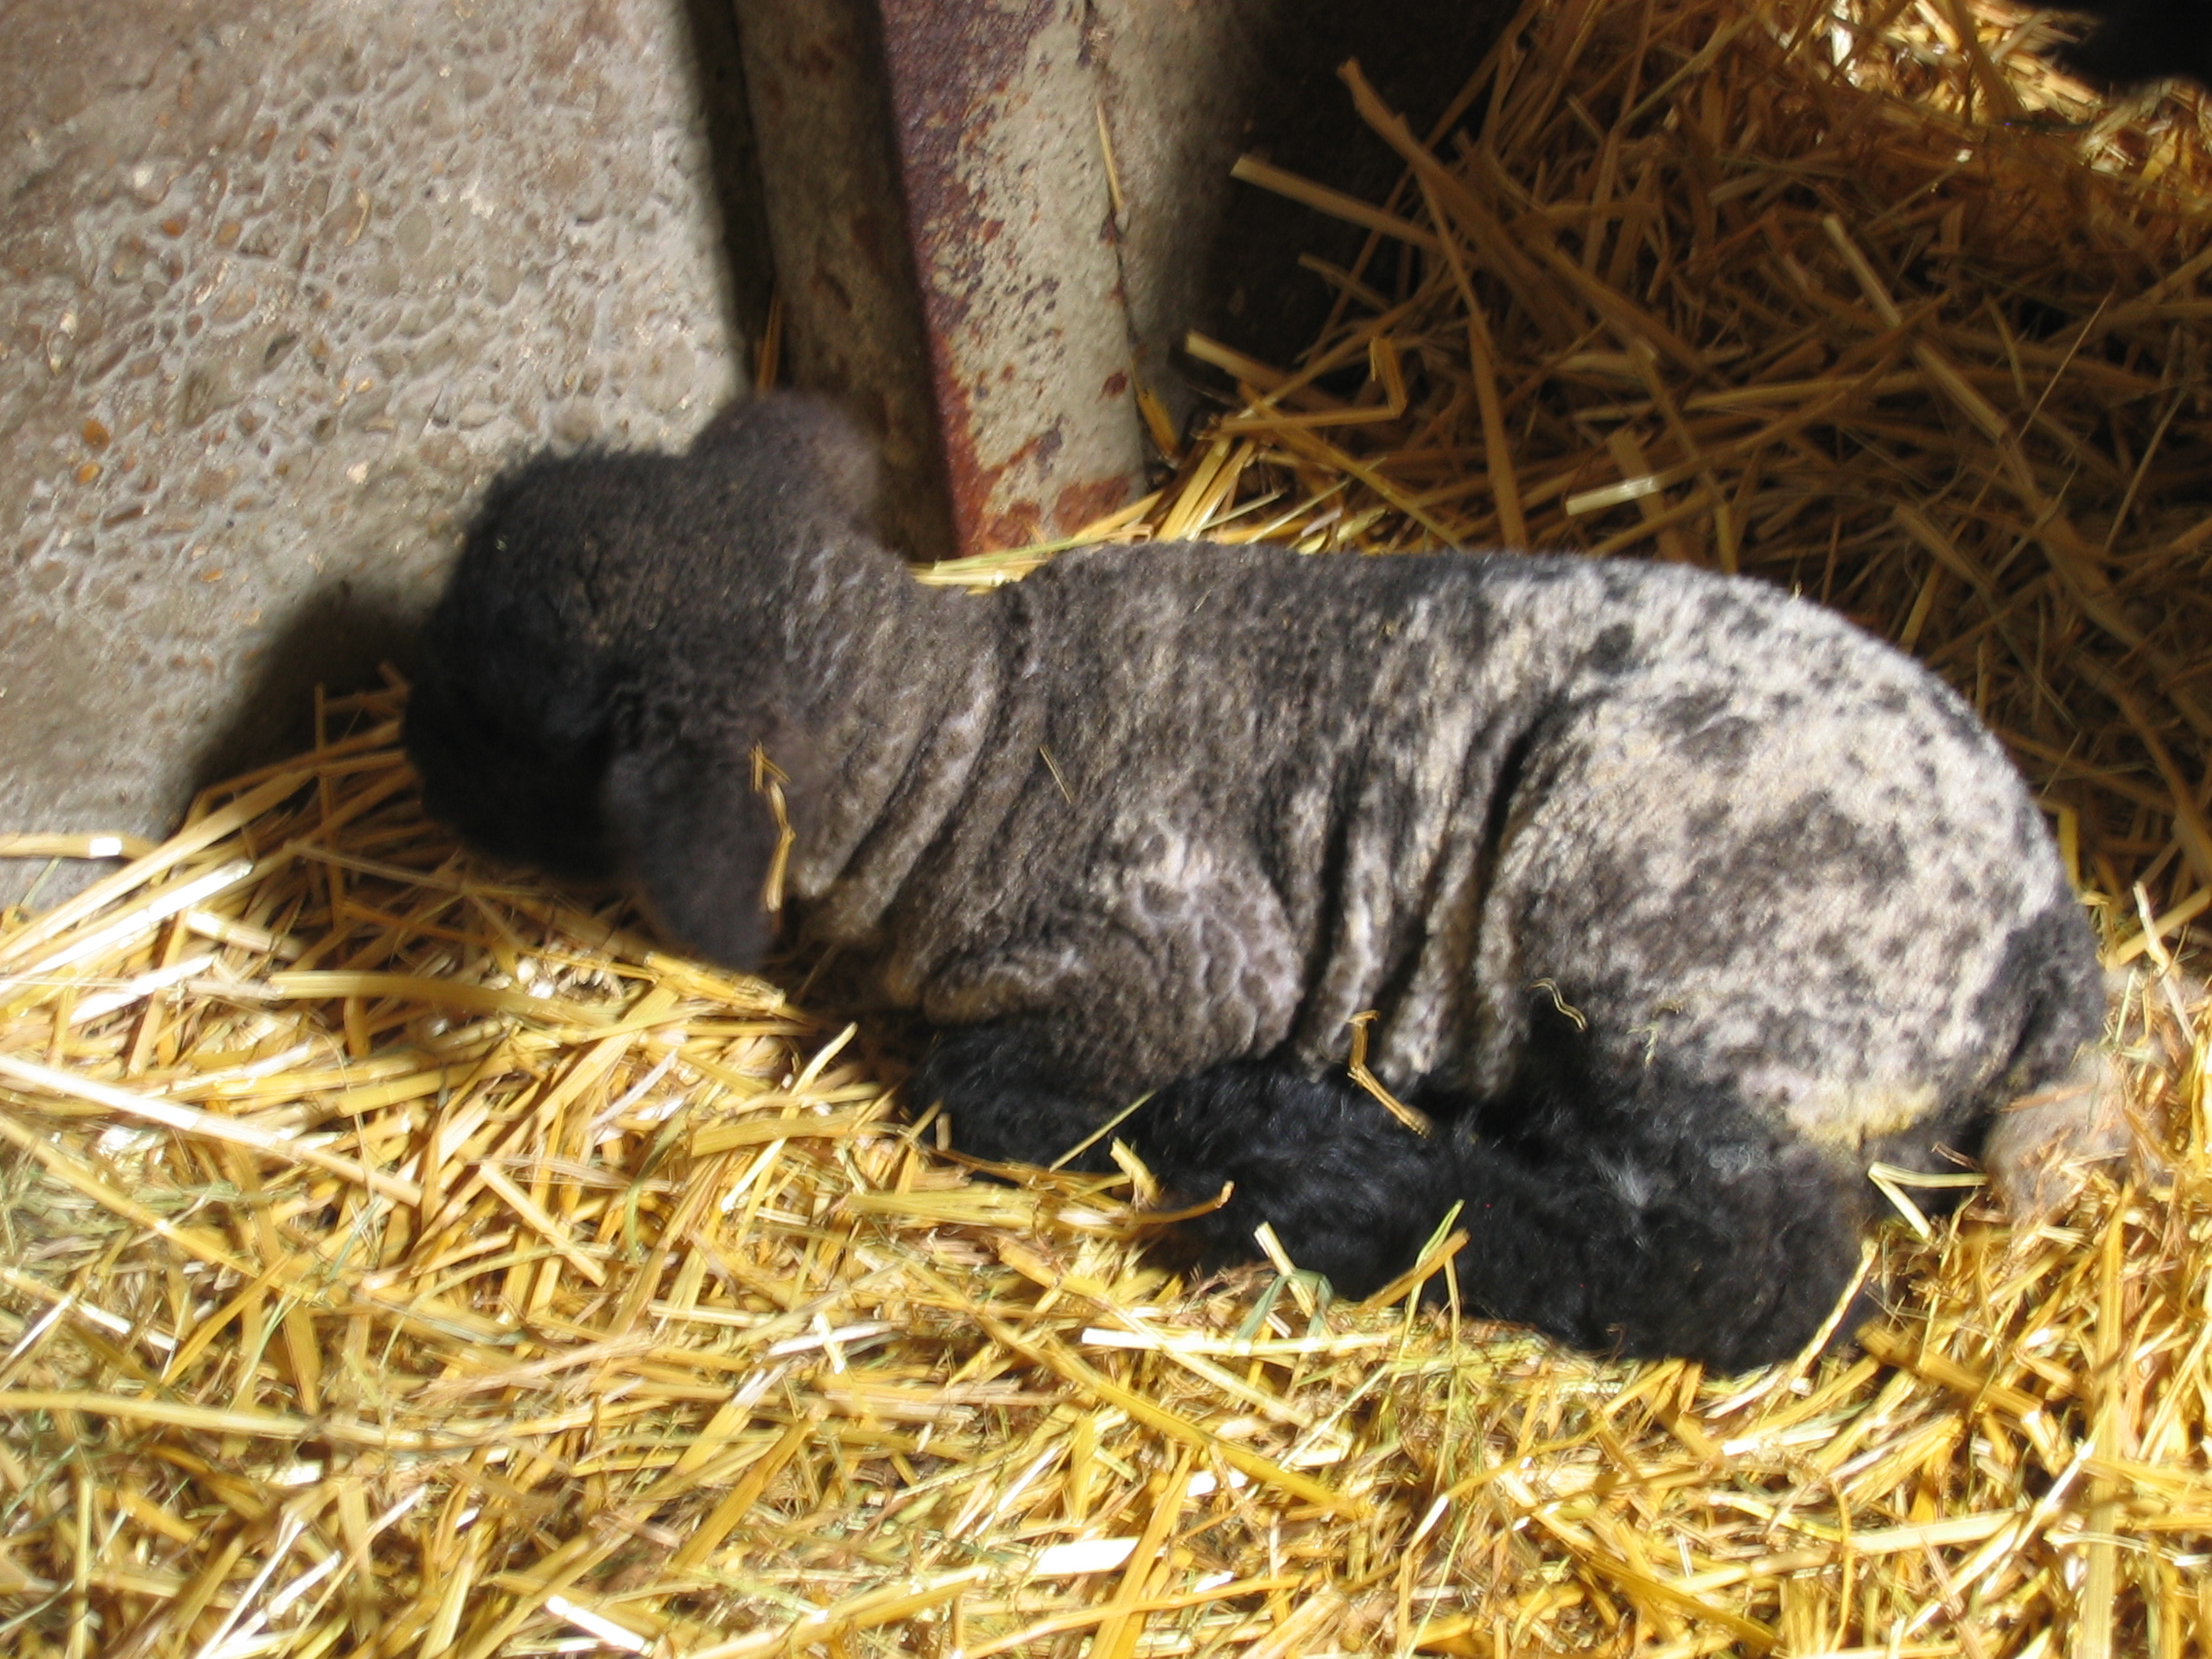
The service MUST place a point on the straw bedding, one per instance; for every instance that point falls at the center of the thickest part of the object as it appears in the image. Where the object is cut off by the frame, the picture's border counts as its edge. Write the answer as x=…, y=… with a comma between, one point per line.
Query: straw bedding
x=406, y=1258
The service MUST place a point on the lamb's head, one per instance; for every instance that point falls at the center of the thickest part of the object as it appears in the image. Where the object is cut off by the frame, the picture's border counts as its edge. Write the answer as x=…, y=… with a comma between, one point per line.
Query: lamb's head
x=618, y=624
x=509, y=722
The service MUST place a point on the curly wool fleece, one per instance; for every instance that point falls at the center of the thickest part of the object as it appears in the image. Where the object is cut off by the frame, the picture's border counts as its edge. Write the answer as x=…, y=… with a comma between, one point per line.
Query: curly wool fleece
x=1677, y=901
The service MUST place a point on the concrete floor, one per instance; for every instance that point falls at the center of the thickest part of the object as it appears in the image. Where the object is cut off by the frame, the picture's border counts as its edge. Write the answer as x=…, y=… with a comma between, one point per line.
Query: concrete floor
x=282, y=282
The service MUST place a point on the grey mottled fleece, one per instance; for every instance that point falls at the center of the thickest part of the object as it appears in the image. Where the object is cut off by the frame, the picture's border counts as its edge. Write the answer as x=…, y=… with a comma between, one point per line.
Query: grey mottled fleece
x=1677, y=900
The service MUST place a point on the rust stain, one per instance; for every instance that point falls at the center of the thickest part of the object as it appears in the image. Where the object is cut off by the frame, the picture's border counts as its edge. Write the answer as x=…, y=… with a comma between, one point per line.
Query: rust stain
x=1078, y=503
x=1011, y=523
x=1016, y=527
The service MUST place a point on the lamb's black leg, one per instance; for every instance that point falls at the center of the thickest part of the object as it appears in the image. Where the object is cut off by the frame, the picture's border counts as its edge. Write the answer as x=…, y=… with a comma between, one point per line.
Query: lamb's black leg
x=1631, y=1208
x=1008, y=1099
x=1350, y=1192
x=1674, y=1224
x=1681, y=1227
x=1731, y=1249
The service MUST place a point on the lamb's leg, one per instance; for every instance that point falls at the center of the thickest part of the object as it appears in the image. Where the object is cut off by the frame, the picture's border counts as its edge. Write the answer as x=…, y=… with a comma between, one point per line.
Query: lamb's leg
x=1350, y=1192
x=1724, y=1245
x=1704, y=1236
x=1009, y=1098
x=1728, y=1246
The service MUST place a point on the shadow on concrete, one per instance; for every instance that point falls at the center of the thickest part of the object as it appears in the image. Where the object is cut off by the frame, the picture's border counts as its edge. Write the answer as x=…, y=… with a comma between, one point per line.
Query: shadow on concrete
x=712, y=25
x=336, y=638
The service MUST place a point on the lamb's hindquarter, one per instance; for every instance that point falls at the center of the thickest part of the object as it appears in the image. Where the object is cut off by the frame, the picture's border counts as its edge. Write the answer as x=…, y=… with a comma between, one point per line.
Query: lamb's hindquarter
x=1763, y=850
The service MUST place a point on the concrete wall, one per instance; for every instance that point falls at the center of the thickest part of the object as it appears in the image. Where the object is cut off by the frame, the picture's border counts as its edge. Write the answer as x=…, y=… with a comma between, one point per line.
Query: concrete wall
x=282, y=282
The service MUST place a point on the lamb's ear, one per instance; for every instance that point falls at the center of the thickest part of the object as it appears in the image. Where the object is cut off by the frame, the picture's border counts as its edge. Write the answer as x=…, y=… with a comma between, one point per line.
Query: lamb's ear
x=701, y=842
x=804, y=451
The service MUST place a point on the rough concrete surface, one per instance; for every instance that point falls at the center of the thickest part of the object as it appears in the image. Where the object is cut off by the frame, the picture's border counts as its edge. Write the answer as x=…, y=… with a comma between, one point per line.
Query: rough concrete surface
x=282, y=282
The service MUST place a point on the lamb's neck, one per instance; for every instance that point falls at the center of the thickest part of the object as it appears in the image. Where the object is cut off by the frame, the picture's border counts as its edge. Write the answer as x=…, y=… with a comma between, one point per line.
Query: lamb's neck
x=901, y=706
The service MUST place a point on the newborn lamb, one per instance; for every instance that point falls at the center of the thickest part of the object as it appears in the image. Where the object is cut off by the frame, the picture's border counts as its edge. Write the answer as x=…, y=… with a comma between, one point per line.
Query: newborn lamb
x=1677, y=901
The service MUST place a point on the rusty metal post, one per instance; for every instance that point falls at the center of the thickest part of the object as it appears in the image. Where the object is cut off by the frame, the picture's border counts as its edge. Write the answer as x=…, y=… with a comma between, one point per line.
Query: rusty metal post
x=949, y=245
x=853, y=317
x=982, y=122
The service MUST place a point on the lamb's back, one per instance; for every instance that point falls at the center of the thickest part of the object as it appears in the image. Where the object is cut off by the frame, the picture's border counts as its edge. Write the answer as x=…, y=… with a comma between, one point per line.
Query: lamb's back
x=1226, y=775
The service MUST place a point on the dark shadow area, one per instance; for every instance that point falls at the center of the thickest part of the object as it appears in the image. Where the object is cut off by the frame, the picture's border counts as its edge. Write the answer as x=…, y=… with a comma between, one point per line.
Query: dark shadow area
x=814, y=157
x=1418, y=55
x=335, y=638
x=2135, y=42
x=720, y=64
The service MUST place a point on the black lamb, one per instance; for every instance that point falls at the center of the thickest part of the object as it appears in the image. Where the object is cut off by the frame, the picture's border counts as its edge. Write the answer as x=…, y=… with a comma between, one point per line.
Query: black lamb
x=1677, y=902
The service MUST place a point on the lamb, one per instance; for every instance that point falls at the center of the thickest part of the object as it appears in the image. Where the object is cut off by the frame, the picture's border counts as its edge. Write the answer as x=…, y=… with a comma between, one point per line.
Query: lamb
x=1677, y=902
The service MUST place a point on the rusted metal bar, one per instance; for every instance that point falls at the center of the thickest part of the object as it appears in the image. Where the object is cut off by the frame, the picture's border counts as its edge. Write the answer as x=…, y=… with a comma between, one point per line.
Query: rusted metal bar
x=994, y=219
x=1010, y=217
x=983, y=122
x=853, y=316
